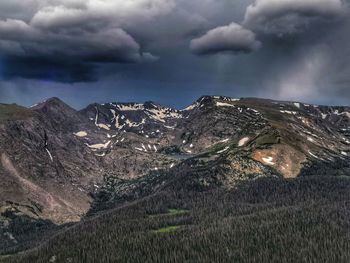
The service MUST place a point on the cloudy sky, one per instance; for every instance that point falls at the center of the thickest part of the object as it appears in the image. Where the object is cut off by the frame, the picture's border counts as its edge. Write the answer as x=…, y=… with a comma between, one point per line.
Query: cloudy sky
x=173, y=51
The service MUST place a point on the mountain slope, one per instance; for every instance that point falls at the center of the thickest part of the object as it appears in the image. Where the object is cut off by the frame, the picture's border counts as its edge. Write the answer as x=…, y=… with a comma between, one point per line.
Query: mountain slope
x=266, y=220
x=59, y=165
x=39, y=155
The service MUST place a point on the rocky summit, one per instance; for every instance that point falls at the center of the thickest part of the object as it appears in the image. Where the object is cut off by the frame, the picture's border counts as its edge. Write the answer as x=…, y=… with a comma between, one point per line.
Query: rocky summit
x=60, y=166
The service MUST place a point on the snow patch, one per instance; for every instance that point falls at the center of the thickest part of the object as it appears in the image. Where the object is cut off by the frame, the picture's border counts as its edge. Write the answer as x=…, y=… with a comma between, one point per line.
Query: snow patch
x=50, y=155
x=268, y=160
x=144, y=147
x=313, y=155
x=81, y=134
x=310, y=139
x=191, y=107
x=161, y=114
x=289, y=112
x=345, y=113
x=243, y=141
x=99, y=145
x=34, y=105
x=114, y=115
x=131, y=107
x=118, y=125
x=224, y=150
x=223, y=104
x=226, y=98
x=103, y=126
x=255, y=111
x=135, y=124
x=233, y=99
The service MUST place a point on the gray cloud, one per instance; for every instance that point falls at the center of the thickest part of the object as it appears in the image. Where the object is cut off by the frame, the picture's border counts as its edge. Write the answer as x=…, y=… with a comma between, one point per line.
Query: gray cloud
x=285, y=17
x=21, y=10
x=67, y=31
x=103, y=44
x=75, y=31
x=118, y=13
x=232, y=38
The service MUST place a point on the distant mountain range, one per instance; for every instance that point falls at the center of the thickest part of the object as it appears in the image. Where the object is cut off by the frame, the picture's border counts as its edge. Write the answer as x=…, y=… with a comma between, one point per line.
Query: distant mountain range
x=60, y=166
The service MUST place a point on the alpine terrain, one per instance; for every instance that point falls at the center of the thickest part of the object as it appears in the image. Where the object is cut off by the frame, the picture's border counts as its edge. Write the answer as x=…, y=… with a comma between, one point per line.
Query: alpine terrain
x=223, y=180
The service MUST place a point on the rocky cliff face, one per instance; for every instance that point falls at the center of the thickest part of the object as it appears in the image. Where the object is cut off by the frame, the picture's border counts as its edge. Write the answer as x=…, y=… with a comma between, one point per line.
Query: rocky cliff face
x=57, y=162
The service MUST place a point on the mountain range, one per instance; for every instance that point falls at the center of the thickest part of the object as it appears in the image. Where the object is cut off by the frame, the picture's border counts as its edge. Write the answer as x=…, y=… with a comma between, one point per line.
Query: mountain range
x=65, y=172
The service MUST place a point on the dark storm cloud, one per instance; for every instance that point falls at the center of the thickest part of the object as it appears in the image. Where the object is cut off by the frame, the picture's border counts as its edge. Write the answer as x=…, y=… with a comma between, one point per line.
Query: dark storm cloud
x=303, y=54
x=75, y=32
x=276, y=17
x=31, y=53
x=48, y=70
x=233, y=38
x=289, y=16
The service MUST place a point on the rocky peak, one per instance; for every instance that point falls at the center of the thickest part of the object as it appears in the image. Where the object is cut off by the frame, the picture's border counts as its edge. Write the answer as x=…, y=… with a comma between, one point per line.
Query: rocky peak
x=59, y=114
x=206, y=100
x=151, y=105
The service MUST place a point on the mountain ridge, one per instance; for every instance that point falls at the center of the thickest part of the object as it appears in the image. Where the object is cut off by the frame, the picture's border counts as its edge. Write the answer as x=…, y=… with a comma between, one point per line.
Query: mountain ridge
x=60, y=165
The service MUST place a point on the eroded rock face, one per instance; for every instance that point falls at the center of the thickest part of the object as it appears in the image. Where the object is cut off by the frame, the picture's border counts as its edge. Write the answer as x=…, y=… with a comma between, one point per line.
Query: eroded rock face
x=284, y=158
x=56, y=160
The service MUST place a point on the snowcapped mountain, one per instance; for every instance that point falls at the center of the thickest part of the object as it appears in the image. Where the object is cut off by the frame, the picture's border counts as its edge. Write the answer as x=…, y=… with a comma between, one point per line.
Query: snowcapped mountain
x=57, y=164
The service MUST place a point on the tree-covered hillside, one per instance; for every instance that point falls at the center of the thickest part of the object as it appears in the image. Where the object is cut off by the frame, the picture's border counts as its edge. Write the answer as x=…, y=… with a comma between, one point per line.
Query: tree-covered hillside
x=265, y=220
